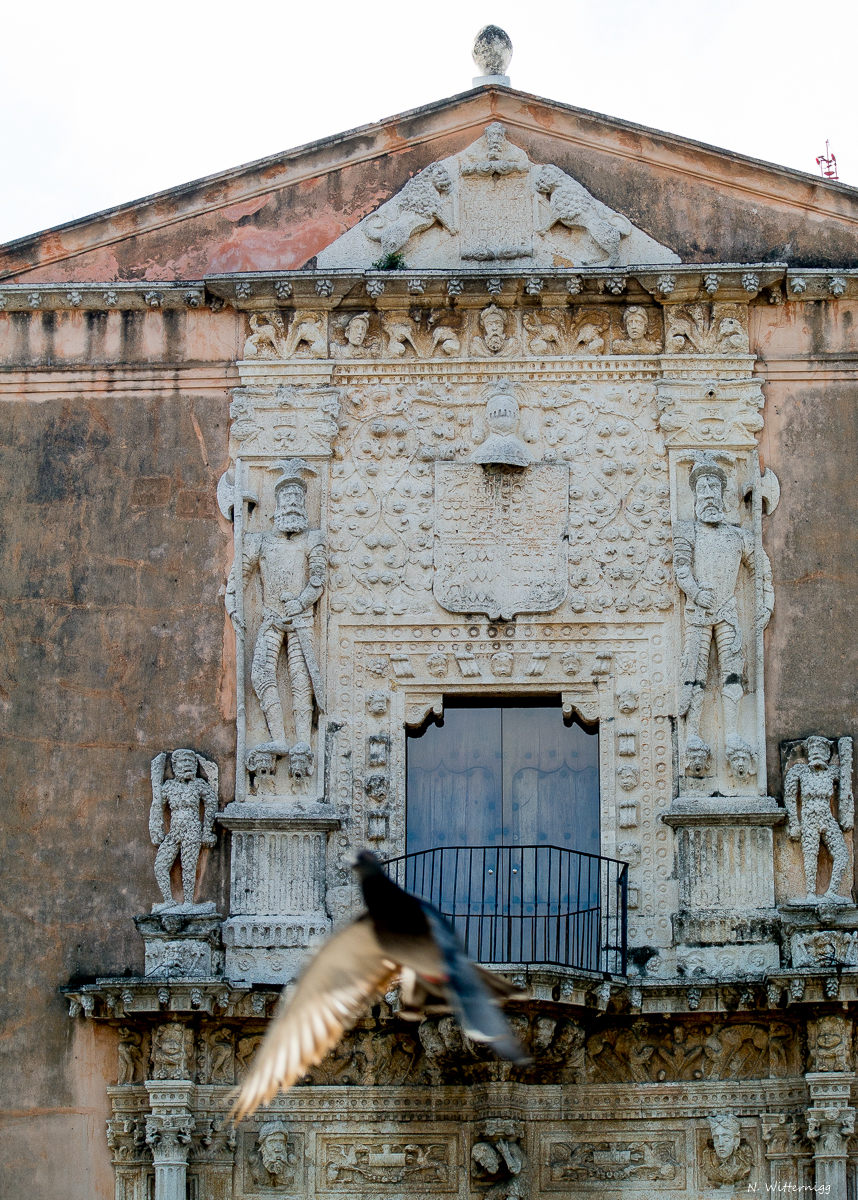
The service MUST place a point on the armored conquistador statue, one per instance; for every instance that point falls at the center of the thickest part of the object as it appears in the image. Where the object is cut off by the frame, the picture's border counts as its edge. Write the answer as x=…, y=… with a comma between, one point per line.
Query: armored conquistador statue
x=184, y=795
x=292, y=562
x=709, y=553
x=815, y=782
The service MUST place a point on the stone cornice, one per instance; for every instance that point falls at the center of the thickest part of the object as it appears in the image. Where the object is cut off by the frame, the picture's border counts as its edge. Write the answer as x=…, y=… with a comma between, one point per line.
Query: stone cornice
x=473, y=287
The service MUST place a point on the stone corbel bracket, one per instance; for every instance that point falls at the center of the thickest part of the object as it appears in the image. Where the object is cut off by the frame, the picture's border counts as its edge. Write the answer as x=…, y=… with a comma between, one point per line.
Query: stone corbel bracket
x=326, y=290
x=120, y=998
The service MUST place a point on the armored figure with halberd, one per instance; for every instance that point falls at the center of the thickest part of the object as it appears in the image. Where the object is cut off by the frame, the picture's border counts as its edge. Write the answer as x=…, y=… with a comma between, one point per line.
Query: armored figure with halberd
x=815, y=781
x=708, y=555
x=292, y=562
x=184, y=795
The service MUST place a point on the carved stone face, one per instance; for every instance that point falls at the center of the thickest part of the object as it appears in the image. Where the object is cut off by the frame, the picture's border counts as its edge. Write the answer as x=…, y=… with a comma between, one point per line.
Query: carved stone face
x=741, y=761
x=494, y=328
x=274, y=1148
x=726, y=1136
x=709, y=500
x=502, y=663
x=290, y=514
x=356, y=330
x=627, y=777
x=184, y=765
x=818, y=752
x=697, y=756
x=300, y=761
x=627, y=701
x=635, y=322
x=436, y=664
x=377, y=703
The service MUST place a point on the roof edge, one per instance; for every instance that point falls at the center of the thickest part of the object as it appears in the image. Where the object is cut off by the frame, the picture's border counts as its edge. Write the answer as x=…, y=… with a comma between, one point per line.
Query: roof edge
x=284, y=156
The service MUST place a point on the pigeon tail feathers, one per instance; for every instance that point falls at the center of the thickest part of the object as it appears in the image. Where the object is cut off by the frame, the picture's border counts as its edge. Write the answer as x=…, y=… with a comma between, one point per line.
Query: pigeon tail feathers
x=476, y=1010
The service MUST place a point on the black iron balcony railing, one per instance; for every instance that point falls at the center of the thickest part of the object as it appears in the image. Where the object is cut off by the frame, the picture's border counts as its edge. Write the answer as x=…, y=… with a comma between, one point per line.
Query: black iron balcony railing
x=526, y=904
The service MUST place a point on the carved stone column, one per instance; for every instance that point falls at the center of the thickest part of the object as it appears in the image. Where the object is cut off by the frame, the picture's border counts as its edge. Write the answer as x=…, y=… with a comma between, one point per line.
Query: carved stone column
x=168, y=1133
x=783, y=1147
x=830, y=1124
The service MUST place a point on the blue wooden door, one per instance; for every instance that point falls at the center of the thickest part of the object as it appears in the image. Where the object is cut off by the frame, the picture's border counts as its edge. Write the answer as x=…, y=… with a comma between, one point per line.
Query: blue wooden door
x=505, y=782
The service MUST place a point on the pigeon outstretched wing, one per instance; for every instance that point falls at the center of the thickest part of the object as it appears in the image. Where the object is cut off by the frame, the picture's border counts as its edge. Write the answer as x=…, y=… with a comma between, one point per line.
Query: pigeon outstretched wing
x=344, y=979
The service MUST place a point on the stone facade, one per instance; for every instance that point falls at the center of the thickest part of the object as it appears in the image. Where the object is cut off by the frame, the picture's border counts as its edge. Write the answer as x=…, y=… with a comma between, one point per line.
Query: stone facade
x=288, y=514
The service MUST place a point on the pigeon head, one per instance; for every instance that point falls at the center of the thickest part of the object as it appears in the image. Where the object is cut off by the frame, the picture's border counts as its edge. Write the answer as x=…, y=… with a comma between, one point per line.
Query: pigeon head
x=366, y=864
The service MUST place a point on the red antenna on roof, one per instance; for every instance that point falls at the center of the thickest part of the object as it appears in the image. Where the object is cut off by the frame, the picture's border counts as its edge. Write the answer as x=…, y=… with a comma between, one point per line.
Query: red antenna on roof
x=827, y=163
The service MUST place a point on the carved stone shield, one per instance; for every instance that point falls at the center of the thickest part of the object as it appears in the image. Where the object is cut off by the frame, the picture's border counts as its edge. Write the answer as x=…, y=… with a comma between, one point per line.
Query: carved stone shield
x=500, y=538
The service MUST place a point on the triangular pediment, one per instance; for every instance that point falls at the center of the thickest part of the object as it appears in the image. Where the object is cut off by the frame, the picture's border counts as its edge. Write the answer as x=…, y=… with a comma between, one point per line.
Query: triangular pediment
x=489, y=204
x=316, y=202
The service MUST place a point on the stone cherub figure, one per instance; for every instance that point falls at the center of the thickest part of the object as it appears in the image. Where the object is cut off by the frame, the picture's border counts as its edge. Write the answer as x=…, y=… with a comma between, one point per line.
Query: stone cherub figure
x=729, y=1159
x=708, y=555
x=185, y=795
x=815, y=781
x=292, y=563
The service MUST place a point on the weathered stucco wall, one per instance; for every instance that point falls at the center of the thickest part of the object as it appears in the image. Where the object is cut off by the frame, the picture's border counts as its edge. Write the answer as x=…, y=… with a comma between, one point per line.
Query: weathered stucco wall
x=809, y=355
x=113, y=643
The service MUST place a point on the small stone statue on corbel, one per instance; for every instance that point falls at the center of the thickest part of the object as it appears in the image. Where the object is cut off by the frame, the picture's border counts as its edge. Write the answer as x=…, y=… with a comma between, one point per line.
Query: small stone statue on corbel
x=191, y=797
x=815, y=781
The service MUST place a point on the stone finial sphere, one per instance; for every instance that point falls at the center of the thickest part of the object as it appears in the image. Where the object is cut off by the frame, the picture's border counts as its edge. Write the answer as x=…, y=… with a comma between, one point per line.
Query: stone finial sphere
x=492, y=50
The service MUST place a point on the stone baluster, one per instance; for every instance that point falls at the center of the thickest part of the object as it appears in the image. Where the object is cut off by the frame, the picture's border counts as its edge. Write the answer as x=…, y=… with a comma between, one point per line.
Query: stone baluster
x=830, y=1124
x=168, y=1133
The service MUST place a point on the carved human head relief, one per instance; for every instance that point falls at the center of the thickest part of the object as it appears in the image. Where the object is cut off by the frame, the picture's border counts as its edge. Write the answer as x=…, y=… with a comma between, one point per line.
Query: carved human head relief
x=726, y=1134
x=502, y=447
x=184, y=765
x=818, y=752
x=708, y=481
x=357, y=329
x=290, y=492
x=492, y=53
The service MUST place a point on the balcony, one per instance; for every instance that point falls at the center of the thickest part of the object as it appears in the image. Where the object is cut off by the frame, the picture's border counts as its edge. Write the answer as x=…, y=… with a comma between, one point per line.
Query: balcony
x=540, y=905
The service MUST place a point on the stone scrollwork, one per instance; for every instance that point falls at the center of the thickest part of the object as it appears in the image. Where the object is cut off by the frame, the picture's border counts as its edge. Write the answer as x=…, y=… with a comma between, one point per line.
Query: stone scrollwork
x=191, y=799
x=375, y=1162
x=706, y=329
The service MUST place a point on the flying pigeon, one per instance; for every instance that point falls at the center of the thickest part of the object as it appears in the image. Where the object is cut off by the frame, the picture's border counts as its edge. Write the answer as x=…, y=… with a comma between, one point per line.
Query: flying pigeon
x=399, y=936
